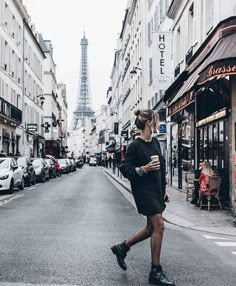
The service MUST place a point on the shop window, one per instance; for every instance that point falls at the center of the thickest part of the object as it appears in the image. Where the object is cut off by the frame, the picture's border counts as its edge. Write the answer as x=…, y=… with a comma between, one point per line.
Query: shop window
x=218, y=95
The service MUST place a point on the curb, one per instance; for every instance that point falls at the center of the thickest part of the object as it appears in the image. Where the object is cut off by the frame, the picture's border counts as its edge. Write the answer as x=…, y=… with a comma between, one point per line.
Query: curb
x=117, y=180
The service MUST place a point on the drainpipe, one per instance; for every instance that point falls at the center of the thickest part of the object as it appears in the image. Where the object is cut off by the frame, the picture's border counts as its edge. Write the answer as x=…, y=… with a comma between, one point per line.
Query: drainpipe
x=23, y=90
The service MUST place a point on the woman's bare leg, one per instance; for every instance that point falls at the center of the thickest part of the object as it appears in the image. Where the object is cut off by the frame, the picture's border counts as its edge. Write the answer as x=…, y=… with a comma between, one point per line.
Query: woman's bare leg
x=156, y=237
x=140, y=235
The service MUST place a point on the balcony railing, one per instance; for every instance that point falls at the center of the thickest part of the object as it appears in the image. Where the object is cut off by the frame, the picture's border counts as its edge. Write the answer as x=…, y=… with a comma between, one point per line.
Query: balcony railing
x=9, y=111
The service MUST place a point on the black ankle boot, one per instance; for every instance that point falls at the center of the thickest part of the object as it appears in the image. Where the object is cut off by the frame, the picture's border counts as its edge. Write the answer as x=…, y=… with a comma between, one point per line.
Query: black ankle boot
x=158, y=277
x=120, y=250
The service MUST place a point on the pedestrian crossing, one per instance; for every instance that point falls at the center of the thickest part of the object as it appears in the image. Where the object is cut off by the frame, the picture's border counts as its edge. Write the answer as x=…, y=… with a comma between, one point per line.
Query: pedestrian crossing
x=223, y=242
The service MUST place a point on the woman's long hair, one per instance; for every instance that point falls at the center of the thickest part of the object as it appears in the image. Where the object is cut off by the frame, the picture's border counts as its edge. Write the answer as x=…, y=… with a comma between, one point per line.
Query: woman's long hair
x=147, y=119
x=206, y=168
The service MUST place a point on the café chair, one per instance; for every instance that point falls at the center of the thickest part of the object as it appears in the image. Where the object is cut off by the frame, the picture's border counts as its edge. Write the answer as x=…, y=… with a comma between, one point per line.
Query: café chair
x=213, y=190
x=189, y=184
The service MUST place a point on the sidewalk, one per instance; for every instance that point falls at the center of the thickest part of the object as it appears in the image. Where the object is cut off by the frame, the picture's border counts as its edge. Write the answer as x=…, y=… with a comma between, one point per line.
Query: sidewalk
x=183, y=214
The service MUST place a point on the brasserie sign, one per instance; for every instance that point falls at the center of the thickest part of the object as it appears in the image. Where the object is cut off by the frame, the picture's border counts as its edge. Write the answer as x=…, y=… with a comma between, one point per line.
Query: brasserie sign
x=222, y=68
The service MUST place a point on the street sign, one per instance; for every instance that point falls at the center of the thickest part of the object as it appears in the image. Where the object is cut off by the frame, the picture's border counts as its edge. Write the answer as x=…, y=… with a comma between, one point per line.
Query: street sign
x=162, y=128
x=116, y=128
x=125, y=134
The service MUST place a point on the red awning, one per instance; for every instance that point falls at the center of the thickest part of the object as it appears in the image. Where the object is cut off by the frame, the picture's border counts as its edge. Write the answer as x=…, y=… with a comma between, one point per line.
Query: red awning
x=181, y=99
x=221, y=62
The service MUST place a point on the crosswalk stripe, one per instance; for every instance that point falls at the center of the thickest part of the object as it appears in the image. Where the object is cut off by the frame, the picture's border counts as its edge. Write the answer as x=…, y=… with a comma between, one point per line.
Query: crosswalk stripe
x=226, y=243
x=214, y=237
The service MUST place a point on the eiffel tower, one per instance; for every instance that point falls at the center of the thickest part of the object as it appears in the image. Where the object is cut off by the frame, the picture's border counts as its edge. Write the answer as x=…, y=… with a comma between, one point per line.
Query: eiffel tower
x=84, y=103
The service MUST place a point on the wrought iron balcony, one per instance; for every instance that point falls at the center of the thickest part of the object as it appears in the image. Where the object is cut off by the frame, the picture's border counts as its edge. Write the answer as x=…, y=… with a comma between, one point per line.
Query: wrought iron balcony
x=189, y=55
x=10, y=112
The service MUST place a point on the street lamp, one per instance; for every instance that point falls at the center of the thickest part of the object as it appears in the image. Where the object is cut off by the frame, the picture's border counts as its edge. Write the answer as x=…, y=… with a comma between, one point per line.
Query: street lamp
x=134, y=70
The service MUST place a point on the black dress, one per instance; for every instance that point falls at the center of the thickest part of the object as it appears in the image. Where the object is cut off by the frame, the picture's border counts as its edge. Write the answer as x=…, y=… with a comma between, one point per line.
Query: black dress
x=149, y=189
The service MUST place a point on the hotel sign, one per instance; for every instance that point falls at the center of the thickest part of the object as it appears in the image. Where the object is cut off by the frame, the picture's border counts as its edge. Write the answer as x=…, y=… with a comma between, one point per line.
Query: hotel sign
x=162, y=62
x=211, y=118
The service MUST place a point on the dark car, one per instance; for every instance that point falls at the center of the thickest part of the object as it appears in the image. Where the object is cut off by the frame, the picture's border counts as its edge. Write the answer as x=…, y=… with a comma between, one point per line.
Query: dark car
x=79, y=163
x=28, y=169
x=52, y=169
x=41, y=169
x=65, y=168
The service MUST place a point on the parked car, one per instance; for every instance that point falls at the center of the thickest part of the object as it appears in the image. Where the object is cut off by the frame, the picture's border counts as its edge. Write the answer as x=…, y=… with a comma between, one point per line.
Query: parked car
x=65, y=168
x=52, y=169
x=28, y=170
x=41, y=169
x=73, y=165
x=51, y=157
x=69, y=164
x=92, y=161
x=11, y=175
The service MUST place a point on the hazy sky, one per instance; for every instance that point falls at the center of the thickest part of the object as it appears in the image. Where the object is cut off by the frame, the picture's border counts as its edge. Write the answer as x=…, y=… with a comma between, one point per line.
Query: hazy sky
x=63, y=22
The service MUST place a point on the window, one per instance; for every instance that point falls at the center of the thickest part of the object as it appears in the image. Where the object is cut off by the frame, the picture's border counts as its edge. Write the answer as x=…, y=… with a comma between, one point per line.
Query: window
x=150, y=3
x=209, y=15
x=190, y=26
x=149, y=34
x=178, y=45
x=150, y=70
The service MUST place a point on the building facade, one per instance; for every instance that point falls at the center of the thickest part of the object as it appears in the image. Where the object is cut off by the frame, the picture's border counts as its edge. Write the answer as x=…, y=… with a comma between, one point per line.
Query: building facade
x=51, y=105
x=203, y=35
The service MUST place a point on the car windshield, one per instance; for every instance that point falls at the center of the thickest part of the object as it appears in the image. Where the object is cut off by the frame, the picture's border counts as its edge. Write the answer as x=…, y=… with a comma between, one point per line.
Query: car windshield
x=62, y=161
x=21, y=162
x=4, y=164
x=37, y=163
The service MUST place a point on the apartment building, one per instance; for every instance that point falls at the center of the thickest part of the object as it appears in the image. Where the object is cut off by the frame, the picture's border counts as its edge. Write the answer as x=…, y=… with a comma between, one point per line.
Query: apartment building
x=201, y=100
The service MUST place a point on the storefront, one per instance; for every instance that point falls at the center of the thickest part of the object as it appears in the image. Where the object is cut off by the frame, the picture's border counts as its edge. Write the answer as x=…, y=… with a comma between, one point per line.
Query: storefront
x=203, y=112
x=212, y=125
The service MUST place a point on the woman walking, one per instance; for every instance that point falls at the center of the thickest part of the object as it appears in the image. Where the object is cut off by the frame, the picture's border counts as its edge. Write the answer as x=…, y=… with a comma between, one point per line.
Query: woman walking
x=144, y=166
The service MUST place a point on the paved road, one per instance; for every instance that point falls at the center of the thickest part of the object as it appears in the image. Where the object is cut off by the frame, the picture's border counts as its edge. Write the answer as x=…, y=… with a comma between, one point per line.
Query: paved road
x=61, y=232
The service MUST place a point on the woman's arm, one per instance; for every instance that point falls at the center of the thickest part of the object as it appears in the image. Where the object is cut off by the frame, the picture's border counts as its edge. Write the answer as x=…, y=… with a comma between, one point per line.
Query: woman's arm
x=128, y=165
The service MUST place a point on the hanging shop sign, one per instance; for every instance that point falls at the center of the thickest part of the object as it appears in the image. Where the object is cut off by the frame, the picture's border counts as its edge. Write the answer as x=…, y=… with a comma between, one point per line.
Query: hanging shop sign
x=216, y=116
x=31, y=127
x=162, y=62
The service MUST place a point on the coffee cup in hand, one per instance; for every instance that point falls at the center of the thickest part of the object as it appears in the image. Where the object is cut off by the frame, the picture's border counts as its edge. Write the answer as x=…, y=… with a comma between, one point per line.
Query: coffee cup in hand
x=155, y=158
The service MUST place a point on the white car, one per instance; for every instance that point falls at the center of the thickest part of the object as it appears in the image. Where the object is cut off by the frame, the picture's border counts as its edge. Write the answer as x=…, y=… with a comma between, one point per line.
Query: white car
x=92, y=161
x=11, y=175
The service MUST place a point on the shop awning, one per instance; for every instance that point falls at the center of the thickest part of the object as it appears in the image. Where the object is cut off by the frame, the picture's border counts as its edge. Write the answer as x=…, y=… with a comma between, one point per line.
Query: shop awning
x=221, y=61
x=184, y=96
x=111, y=148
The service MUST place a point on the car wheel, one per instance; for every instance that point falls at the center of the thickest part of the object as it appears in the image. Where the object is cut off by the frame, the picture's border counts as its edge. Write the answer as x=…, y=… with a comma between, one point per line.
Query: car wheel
x=34, y=180
x=28, y=181
x=43, y=178
x=22, y=184
x=11, y=188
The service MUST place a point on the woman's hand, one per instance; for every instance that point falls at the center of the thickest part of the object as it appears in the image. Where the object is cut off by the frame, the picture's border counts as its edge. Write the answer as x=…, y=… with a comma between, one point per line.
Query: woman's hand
x=167, y=197
x=151, y=166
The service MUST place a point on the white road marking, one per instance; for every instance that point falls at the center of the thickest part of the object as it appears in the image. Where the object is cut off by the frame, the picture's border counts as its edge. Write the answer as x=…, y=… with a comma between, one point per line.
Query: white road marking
x=226, y=243
x=234, y=253
x=215, y=237
x=2, y=198
x=2, y=203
